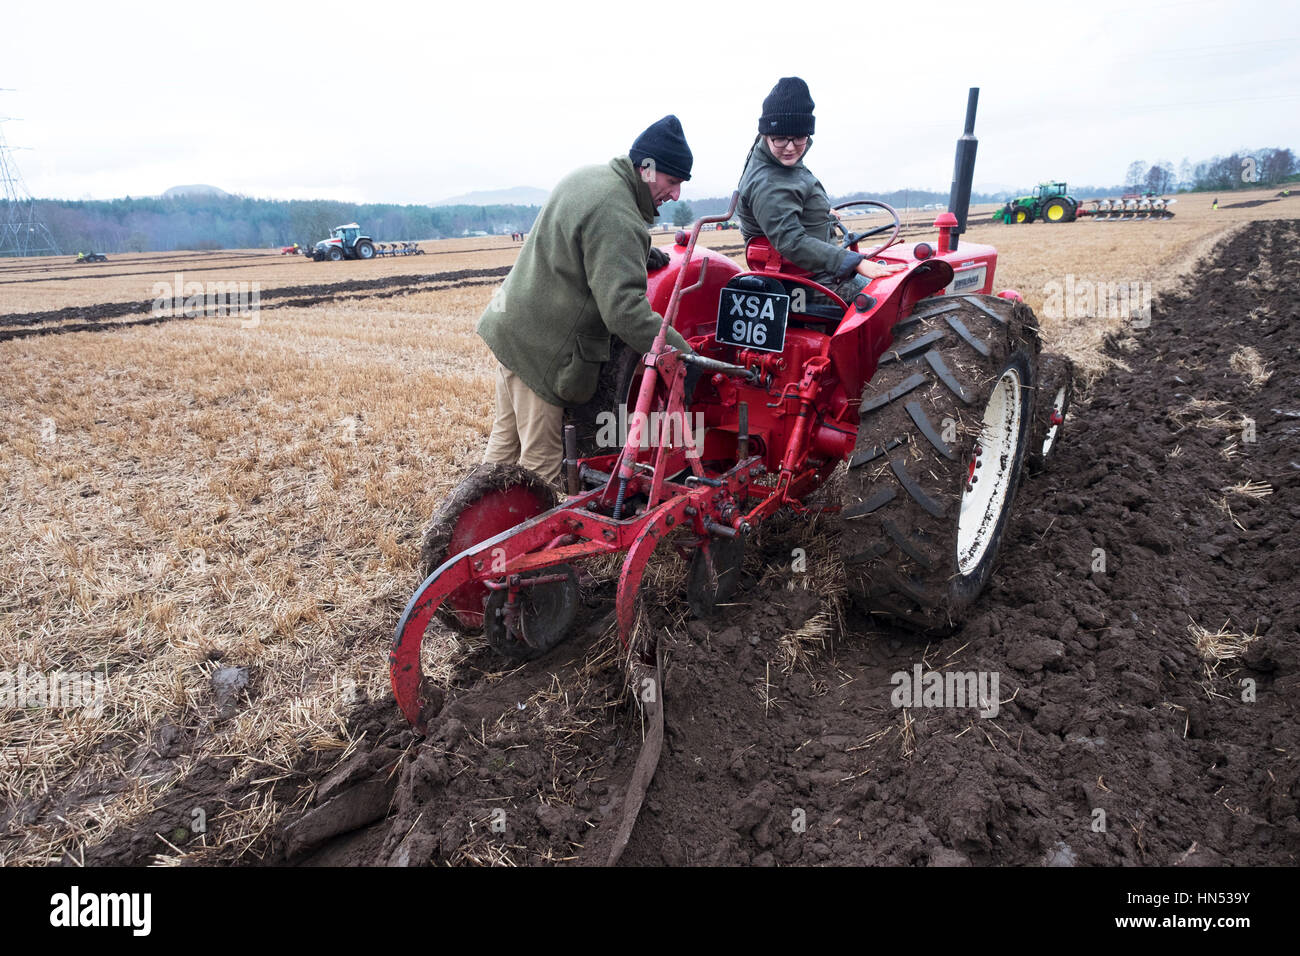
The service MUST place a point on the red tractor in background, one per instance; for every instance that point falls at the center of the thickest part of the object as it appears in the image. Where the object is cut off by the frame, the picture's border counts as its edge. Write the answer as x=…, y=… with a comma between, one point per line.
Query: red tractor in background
x=926, y=391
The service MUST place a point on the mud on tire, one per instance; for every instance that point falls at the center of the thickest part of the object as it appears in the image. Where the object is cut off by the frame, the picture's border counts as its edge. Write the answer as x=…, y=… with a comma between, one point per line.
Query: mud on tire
x=611, y=391
x=441, y=535
x=1053, y=395
x=916, y=550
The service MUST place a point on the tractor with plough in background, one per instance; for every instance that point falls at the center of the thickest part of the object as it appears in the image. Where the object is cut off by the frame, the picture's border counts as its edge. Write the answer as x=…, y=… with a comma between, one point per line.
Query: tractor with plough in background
x=345, y=242
x=1052, y=202
x=348, y=242
x=926, y=392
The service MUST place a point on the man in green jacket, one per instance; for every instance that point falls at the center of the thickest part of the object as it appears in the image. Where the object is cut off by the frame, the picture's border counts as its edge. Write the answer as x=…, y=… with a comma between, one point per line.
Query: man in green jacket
x=580, y=277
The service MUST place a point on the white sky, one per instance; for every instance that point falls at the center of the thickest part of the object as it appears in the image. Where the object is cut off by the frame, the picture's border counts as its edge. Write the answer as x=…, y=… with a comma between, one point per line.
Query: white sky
x=412, y=102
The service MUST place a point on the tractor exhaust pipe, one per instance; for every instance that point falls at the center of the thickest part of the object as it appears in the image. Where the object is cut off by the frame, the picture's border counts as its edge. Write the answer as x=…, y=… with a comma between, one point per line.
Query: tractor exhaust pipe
x=963, y=170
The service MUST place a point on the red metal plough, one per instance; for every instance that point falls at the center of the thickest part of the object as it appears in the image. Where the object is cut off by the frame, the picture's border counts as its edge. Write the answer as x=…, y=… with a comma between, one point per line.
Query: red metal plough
x=666, y=482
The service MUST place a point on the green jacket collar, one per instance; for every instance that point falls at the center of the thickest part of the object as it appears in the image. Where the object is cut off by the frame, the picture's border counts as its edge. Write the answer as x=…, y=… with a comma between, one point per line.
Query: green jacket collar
x=640, y=188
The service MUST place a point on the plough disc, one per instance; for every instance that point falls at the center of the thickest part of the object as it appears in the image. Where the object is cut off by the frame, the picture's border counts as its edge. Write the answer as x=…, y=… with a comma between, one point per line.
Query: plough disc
x=538, y=619
x=714, y=575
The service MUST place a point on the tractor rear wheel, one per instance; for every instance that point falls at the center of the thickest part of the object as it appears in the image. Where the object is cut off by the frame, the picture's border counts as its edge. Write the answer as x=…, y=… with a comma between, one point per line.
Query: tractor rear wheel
x=591, y=420
x=491, y=499
x=1058, y=210
x=1053, y=394
x=364, y=250
x=943, y=437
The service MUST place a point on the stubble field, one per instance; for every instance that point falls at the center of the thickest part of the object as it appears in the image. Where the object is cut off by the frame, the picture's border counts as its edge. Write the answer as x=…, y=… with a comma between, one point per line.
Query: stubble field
x=183, y=497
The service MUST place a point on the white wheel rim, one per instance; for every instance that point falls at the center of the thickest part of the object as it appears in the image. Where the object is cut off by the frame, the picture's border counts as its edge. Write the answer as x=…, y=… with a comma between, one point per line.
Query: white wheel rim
x=983, y=501
x=1058, y=405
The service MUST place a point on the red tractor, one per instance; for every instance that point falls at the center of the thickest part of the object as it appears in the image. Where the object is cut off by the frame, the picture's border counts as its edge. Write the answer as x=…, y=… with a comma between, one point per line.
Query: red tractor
x=925, y=391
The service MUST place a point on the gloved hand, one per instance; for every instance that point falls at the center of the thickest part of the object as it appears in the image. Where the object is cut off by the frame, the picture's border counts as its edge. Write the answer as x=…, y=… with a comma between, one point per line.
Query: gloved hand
x=656, y=260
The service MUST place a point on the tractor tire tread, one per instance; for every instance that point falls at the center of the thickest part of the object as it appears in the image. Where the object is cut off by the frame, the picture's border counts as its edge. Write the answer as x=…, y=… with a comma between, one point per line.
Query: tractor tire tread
x=950, y=381
x=900, y=516
x=983, y=307
x=868, y=455
x=914, y=347
x=870, y=405
x=874, y=503
x=611, y=391
x=931, y=433
x=967, y=336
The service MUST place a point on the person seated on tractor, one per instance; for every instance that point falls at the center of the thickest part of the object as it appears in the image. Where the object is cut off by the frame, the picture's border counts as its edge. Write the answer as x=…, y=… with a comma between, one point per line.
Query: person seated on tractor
x=781, y=199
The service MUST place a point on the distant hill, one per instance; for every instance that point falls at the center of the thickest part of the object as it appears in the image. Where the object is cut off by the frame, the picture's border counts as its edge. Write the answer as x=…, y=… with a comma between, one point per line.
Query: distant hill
x=198, y=189
x=515, y=196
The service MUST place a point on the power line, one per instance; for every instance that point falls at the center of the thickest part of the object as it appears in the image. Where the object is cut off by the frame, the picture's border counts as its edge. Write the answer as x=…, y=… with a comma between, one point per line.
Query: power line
x=21, y=233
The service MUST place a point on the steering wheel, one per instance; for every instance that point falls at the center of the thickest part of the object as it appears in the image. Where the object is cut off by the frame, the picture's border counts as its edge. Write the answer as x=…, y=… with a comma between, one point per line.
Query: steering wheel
x=852, y=238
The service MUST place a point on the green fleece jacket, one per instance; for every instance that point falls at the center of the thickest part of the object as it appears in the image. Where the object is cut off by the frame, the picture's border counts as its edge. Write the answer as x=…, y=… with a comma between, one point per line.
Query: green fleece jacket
x=580, y=276
x=788, y=205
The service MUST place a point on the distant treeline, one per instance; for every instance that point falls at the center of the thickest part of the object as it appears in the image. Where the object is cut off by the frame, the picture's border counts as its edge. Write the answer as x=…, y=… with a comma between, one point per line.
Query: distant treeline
x=1243, y=169
x=237, y=222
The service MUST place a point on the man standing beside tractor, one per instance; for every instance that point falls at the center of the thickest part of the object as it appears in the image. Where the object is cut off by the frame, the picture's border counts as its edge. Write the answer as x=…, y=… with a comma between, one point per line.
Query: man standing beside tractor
x=580, y=277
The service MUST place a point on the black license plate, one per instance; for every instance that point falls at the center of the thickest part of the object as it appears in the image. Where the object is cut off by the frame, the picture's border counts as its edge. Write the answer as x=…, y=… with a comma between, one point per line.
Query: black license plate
x=752, y=320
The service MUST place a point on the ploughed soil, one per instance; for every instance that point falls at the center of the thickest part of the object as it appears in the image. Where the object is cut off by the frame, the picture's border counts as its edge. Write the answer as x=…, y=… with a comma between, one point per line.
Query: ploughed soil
x=1109, y=738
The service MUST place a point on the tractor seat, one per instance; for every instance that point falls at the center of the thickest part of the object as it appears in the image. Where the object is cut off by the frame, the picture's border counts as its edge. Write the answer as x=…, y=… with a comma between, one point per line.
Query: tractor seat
x=761, y=256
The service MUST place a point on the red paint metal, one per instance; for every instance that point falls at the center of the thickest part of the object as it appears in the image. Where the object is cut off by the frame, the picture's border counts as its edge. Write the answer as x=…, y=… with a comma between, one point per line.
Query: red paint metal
x=947, y=226
x=492, y=514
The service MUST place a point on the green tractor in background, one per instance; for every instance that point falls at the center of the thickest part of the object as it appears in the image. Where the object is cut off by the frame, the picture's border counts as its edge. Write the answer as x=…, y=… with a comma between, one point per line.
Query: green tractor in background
x=1049, y=202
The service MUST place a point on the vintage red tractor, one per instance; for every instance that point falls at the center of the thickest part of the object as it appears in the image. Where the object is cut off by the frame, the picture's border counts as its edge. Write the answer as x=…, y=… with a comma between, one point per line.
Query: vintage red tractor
x=926, y=391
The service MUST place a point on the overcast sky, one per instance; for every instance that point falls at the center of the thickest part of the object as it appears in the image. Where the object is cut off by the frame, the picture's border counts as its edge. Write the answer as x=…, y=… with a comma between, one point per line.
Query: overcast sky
x=414, y=102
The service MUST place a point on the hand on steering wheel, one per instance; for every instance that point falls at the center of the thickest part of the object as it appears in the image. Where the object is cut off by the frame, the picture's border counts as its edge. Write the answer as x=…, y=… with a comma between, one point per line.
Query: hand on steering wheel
x=853, y=238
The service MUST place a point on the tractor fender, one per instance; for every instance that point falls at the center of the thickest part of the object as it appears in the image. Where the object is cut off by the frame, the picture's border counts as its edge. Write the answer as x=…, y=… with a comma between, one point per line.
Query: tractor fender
x=862, y=338
x=698, y=312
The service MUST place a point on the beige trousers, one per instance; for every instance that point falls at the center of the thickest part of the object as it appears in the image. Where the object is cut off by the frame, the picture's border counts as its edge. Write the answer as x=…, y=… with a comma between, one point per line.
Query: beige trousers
x=527, y=430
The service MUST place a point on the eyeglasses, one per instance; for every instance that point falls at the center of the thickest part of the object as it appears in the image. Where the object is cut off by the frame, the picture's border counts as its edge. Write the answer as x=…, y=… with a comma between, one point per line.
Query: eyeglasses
x=781, y=142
